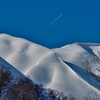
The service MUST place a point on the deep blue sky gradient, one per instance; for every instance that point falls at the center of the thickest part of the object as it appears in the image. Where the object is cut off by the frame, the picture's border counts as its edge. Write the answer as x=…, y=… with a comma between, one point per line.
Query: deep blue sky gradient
x=80, y=21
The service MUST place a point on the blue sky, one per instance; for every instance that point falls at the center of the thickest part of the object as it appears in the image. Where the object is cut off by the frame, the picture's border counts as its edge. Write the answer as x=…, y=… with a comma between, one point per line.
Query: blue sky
x=35, y=20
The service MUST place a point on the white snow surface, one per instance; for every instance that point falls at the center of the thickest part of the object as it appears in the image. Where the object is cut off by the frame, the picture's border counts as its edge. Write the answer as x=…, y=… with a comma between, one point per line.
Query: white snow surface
x=13, y=70
x=49, y=66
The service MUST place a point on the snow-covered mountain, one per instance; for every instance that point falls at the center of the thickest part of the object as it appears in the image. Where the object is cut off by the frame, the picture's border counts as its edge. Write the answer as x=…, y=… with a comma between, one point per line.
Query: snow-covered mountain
x=58, y=68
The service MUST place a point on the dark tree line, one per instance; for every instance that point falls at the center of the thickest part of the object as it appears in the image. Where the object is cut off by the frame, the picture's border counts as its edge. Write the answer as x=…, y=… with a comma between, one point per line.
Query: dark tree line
x=22, y=88
x=5, y=79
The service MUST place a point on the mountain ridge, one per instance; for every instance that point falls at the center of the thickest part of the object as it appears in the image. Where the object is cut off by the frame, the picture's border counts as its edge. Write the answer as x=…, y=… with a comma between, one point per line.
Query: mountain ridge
x=47, y=66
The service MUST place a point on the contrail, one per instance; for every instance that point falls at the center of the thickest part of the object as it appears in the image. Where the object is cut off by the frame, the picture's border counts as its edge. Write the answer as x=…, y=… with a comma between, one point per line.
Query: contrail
x=51, y=23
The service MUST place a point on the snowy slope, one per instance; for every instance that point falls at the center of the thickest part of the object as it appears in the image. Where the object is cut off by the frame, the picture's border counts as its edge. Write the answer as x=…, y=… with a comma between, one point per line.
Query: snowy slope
x=21, y=53
x=52, y=68
x=13, y=70
x=77, y=52
x=17, y=74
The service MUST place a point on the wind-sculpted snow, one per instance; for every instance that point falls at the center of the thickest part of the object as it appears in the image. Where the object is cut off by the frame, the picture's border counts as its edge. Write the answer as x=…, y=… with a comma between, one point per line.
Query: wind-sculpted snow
x=21, y=53
x=49, y=67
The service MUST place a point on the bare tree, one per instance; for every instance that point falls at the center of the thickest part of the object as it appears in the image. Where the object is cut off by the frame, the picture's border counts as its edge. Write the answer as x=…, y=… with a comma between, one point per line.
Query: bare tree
x=57, y=95
x=65, y=98
x=52, y=94
x=92, y=66
x=38, y=92
x=21, y=89
x=5, y=79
